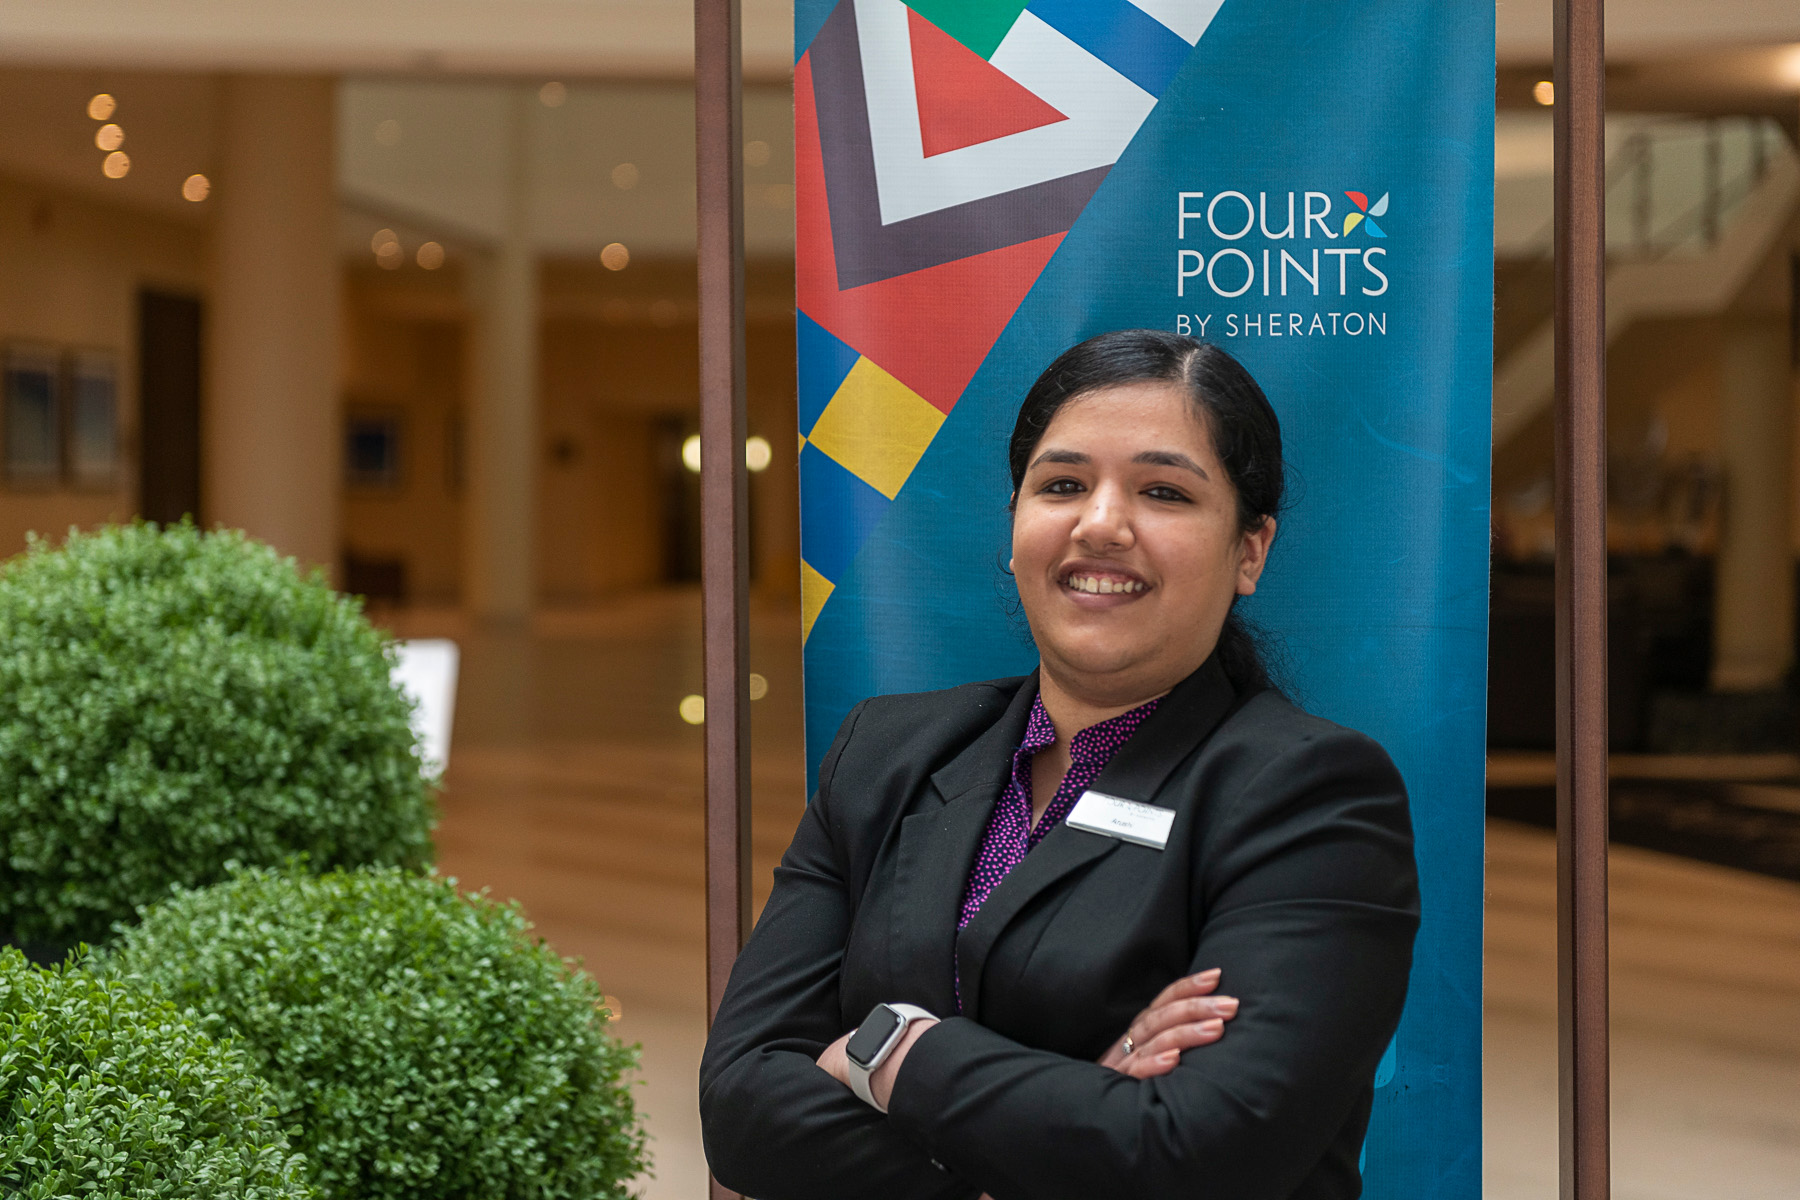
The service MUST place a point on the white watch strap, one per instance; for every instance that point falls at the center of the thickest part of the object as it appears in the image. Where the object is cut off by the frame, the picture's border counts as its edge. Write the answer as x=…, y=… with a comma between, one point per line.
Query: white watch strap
x=859, y=1078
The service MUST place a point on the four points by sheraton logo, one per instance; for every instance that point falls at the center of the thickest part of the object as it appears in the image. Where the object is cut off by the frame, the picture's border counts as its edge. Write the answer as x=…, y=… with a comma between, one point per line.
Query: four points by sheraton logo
x=1239, y=245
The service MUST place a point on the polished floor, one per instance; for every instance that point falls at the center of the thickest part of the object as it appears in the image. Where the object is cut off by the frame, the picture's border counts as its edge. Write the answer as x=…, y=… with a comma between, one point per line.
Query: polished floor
x=574, y=786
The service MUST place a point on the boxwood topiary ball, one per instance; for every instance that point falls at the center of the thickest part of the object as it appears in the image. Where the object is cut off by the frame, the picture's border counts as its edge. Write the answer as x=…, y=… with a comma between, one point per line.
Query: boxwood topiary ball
x=108, y=1091
x=172, y=701
x=423, y=1045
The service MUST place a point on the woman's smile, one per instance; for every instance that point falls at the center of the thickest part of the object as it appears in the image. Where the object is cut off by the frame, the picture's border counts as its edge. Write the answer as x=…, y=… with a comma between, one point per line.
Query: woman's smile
x=1102, y=586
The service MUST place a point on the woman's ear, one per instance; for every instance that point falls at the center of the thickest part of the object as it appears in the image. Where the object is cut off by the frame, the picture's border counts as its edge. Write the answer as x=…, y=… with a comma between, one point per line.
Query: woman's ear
x=1253, y=556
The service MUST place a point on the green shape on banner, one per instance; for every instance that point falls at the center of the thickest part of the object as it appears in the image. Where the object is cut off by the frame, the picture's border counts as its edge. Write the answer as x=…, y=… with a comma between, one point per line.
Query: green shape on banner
x=977, y=24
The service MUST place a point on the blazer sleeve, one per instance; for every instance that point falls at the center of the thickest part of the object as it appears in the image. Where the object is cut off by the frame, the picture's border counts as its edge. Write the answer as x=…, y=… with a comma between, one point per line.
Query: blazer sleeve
x=1311, y=904
x=775, y=1125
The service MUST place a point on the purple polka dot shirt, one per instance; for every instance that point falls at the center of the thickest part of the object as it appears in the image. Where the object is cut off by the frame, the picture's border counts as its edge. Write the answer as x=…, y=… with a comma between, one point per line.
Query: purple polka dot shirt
x=1010, y=834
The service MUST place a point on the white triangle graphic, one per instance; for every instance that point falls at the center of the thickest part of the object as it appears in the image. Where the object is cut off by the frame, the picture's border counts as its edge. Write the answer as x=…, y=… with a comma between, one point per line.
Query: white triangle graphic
x=1104, y=108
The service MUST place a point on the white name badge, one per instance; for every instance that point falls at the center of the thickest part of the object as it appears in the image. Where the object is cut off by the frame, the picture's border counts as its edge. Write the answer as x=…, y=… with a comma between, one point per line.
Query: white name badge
x=1127, y=820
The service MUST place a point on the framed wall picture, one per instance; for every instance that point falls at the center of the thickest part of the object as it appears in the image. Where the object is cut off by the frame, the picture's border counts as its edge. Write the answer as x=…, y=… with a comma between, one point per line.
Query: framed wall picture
x=30, y=434
x=92, y=439
x=372, y=448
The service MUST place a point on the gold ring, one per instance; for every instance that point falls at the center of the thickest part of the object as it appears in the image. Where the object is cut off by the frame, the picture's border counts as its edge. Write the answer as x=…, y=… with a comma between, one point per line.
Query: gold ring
x=1129, y=1044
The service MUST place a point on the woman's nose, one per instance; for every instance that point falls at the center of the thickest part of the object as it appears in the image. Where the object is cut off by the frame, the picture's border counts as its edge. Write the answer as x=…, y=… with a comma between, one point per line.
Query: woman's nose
x=1105, y=522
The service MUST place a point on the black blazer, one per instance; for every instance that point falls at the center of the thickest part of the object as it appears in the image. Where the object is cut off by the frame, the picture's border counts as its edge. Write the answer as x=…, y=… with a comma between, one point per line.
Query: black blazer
x=1289, y=866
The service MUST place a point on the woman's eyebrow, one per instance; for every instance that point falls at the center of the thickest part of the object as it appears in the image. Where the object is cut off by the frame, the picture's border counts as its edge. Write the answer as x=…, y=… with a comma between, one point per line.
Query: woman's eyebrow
x=1061, y=456
x=1171, y=458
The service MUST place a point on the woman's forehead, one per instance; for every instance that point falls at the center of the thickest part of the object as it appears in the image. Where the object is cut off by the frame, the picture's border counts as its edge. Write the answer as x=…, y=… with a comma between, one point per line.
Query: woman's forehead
x=1130, y=417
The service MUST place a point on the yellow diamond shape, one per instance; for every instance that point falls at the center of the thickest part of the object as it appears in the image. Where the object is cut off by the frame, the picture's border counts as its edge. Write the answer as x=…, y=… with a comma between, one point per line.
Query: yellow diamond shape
x=877, y=427
x=815, y=590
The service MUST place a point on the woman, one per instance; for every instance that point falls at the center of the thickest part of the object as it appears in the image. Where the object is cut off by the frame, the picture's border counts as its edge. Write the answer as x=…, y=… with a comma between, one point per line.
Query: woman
x=997, y=952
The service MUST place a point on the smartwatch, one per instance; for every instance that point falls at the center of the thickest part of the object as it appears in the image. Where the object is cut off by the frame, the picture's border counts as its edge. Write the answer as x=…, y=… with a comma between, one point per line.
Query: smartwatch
x=874, y=1040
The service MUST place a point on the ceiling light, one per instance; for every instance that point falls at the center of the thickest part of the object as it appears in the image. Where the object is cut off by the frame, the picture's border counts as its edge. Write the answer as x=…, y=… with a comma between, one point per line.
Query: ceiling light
x=196, y=188
x=115, y=165
x=101, y=107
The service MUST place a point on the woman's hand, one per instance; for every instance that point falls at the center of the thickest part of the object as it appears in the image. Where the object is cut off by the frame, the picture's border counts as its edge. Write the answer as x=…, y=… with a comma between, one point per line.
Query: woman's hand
x=1184, y=1015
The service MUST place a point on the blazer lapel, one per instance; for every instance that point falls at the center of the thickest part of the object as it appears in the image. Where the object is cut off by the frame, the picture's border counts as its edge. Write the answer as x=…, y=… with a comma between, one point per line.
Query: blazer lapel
x=936, y=852
x=1190, y=712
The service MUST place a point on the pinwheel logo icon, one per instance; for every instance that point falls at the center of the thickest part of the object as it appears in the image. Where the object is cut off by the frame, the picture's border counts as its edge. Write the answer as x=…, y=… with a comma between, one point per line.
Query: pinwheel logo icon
x=1365, y=214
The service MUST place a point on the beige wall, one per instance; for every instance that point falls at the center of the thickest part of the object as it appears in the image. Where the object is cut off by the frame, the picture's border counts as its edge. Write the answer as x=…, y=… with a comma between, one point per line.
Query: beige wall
x=70, y=271
x=616, y=365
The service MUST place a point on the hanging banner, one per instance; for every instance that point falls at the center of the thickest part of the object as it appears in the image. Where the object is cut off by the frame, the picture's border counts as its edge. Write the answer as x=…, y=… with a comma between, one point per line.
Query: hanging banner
x=983, y=183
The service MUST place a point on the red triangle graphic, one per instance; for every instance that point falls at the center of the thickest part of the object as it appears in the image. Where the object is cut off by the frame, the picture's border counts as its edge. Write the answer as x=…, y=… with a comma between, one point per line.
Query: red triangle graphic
x=964, y=99
x=929, y=329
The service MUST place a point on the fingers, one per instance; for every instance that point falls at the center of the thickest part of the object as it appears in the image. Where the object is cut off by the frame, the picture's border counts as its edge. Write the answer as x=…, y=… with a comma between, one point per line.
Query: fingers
x=1189, y=1006
x=1162, y=1053
x=1199, y=984
x=1190, y=1011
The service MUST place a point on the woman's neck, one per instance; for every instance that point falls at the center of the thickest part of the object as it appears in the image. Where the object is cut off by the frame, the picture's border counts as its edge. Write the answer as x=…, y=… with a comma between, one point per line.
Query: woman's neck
x=1073, y=709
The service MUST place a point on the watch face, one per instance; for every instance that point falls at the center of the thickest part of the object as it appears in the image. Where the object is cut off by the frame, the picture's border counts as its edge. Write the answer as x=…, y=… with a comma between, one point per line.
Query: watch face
x=872, y=1035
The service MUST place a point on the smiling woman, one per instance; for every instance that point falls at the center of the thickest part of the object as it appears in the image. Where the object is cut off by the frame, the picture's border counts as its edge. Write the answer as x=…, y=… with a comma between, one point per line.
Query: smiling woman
x=997, y=952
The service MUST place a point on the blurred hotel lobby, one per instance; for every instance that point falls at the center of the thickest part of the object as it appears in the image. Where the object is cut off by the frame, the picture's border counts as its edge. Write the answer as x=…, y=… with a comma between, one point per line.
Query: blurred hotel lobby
x=408, y=291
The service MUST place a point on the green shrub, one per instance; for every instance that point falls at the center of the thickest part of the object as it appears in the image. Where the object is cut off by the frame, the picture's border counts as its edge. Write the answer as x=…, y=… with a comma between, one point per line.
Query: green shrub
x=172, y=701
x=109, y=1092
x=422, y=1043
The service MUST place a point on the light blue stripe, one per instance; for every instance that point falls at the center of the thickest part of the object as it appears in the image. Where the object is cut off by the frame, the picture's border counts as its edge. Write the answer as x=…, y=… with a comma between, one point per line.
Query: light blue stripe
x=1121, y=35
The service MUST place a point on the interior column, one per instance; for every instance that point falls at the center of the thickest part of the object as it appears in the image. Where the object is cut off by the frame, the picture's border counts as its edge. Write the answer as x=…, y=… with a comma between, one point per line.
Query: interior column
x=270, y=426
x=499, y=516
x=1753, y=606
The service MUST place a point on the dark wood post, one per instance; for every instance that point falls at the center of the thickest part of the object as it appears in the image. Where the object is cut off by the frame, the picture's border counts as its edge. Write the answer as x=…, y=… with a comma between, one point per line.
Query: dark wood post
x=1581, y=717
x=724, y=541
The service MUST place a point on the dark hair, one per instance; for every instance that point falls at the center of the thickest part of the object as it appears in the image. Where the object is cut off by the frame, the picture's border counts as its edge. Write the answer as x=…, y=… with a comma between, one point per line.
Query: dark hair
x=1244, y=430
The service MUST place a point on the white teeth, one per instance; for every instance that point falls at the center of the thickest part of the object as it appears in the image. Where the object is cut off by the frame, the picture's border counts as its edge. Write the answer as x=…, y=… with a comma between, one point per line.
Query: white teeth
x=1103, y=587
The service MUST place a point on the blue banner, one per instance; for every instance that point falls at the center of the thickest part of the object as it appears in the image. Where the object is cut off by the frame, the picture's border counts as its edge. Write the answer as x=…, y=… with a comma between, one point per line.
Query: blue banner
x=1309, y=185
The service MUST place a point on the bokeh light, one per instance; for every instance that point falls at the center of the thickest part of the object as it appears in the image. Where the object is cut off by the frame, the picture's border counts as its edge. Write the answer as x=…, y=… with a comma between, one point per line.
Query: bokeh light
x=116, y=165
x=759, y=687
x=690, y=453
x=430, y=256
x=101, y=106
x=615, y=257
x=625, y=176
x=758, y=454
x=1544, y=92
x=692, y=709
x=552, y=95
x=109, y=137
x=196, y=188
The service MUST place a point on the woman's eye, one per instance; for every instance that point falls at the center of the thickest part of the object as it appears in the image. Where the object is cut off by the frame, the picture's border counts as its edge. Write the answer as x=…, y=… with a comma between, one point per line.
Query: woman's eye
x=1061, y=487
x=1164, y=492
